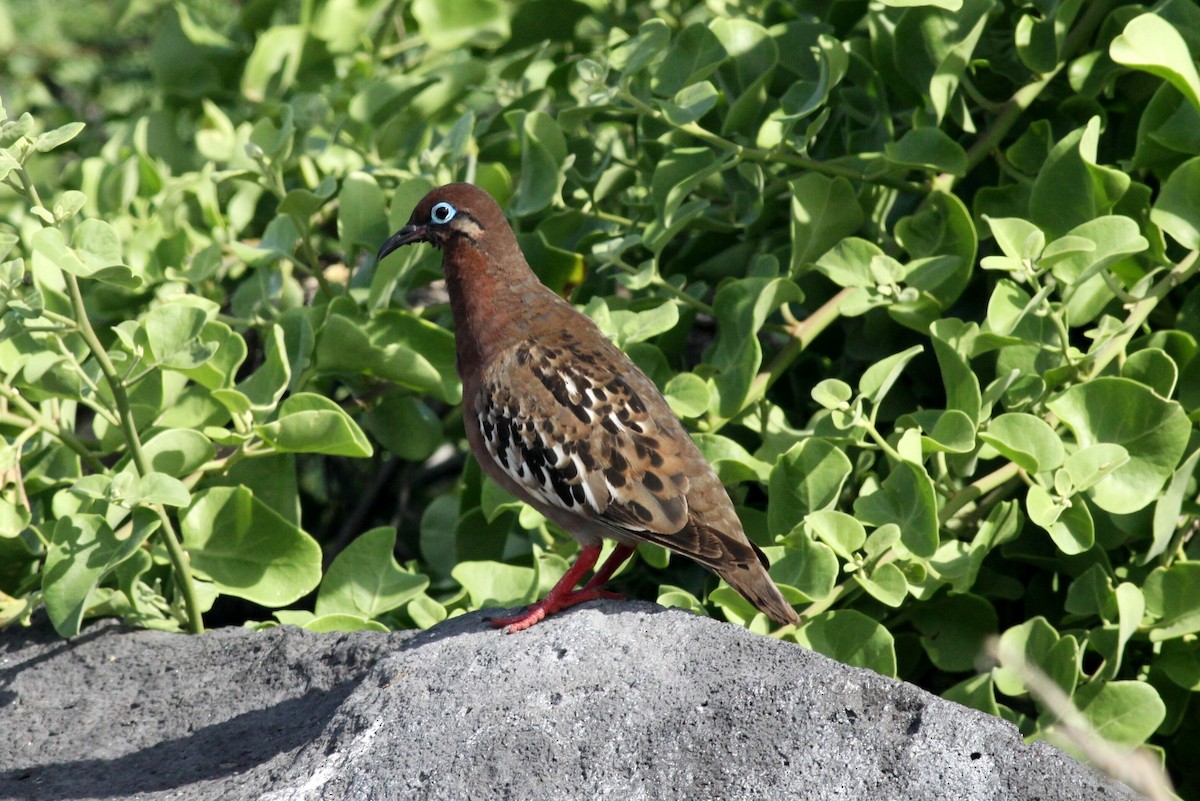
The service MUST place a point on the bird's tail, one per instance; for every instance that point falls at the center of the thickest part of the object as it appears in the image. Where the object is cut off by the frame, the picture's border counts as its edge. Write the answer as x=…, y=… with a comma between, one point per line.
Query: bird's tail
x=757, y=587
x=736, y=559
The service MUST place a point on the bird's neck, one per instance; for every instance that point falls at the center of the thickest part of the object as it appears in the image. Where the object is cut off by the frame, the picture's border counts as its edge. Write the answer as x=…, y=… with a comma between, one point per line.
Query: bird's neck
x=490, y=296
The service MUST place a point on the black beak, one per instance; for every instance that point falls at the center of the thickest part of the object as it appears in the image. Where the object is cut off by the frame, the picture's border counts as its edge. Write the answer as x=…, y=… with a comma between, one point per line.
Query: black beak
x=405, y=236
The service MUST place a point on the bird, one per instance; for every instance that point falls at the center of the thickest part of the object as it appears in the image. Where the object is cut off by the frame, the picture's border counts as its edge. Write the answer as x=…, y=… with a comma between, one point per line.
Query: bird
x=563, y=420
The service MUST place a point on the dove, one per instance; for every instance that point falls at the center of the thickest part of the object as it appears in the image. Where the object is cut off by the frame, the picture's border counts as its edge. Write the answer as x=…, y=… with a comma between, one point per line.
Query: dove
x=563, y=420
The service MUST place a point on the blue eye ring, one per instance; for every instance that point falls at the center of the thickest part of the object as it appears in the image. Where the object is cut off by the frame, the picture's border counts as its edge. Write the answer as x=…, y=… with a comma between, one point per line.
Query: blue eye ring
x=442, y=213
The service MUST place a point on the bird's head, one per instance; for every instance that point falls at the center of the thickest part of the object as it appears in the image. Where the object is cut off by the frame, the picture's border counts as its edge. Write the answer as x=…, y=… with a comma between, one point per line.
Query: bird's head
x=449, y=215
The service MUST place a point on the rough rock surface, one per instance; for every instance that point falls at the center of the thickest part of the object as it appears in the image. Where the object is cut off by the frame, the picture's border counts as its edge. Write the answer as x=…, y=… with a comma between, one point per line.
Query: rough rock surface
x=610, y=700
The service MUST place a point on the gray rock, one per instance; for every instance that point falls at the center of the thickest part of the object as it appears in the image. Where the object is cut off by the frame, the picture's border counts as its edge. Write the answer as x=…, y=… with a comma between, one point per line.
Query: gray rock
x=610, y=700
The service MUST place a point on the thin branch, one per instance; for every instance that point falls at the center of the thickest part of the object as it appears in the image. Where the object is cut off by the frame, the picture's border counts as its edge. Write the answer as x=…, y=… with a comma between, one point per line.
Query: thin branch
x=1140, y=312
x=179, y=559
x=34, y=416
x=757, y=154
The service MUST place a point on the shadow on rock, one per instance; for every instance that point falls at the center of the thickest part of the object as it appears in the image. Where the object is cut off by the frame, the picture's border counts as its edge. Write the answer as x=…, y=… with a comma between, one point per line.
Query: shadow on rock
x=218, y=751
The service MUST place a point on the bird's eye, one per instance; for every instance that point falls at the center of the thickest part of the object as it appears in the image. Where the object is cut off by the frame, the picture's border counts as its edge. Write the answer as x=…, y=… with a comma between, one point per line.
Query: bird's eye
x=442, y=213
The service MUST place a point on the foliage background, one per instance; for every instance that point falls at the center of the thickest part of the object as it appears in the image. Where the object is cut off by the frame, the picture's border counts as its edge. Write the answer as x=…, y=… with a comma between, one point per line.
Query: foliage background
x=919, y=275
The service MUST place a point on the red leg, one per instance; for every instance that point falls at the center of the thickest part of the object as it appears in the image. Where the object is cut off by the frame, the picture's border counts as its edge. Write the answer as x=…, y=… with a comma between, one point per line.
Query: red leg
x=564, y=594
x=614, y=561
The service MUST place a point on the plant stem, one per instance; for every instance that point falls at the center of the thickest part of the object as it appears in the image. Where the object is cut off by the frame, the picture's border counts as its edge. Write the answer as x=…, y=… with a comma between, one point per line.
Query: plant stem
x=1023, y=98
x=977, y=489
x=757, y=154
x=1140, y=312
x=882, y=442
x=63, y=435
x=803, y=333
x=179, y=559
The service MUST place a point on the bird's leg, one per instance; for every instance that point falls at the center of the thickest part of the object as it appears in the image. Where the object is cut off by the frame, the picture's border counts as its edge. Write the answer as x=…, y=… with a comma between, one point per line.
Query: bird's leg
x=564, y=594
x=614, y=561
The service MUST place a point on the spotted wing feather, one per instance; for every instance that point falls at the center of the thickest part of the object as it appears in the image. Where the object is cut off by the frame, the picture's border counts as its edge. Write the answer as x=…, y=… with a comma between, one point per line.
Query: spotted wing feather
x=564, y=425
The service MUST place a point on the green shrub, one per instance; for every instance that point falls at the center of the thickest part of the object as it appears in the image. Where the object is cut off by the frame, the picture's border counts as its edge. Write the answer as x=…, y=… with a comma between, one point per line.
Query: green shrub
x=919, y=276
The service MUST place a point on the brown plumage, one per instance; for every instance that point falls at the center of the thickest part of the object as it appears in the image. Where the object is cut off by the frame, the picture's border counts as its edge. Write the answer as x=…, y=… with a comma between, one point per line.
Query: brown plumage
x=563, y=420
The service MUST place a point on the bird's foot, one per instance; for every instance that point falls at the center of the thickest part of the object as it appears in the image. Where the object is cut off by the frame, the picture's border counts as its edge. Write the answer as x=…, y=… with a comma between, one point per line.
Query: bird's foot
x=551, y=604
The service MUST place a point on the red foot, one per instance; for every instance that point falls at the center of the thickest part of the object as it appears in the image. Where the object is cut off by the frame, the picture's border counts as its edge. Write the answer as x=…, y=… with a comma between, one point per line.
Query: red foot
x=564, y=594
x=541, y=609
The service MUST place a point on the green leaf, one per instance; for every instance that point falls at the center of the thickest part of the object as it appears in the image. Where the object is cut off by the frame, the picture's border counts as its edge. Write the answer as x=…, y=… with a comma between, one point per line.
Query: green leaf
x=1122, y=712
x=632, y=55
x=878, y=379
x=1152, y=44
x=732, y=462
x=886, y=584
x=854, y=262
x=742, y=307
x=228, y=352
x=1083, y=253
x=310, y=423
x=1040, y=645
x=449, y=26
x=679, y=598
x=687, y=394
x=824, y=212
x=543, y=156
x=1175, y=211
x=405, y=425
x=1152, y=430
x=366, y=580
x=162, y=489
x=1173, y=596
x=362, y=216
x=1169, y=506
x=832, y=393
x=1091, y=593
x=247, y=549
x=266, y=385
x=852, y=638
x=807, y=565
x=951, y=344
x=948, y=5
x=1073, y=532
x=95, y=253
x=906, y=498
x=394, y=345
x=928, y=149
x=58, y=137
x=977, y=692
x=1180, y=661
x=82, y=551
x=840, y=531
x=747, y=72
x=425, y=611
x=1088, y=466
x=172, y=336
x=628, y=327
x=1131, y=608
x=1026, y=440
x=934, y=48
x=1017, y=237
x=953, y=630
x=1071, y=187
x=808, y=478
x=1154, y=368
x=342, y=622
x=496, y=584
x=274, y=61
x=690, y=104
x=675, y=177
x=943, y=431
x=694, y=55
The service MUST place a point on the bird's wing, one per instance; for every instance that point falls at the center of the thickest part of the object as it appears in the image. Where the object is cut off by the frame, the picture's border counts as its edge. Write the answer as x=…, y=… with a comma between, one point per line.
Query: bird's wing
x=565, y=425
